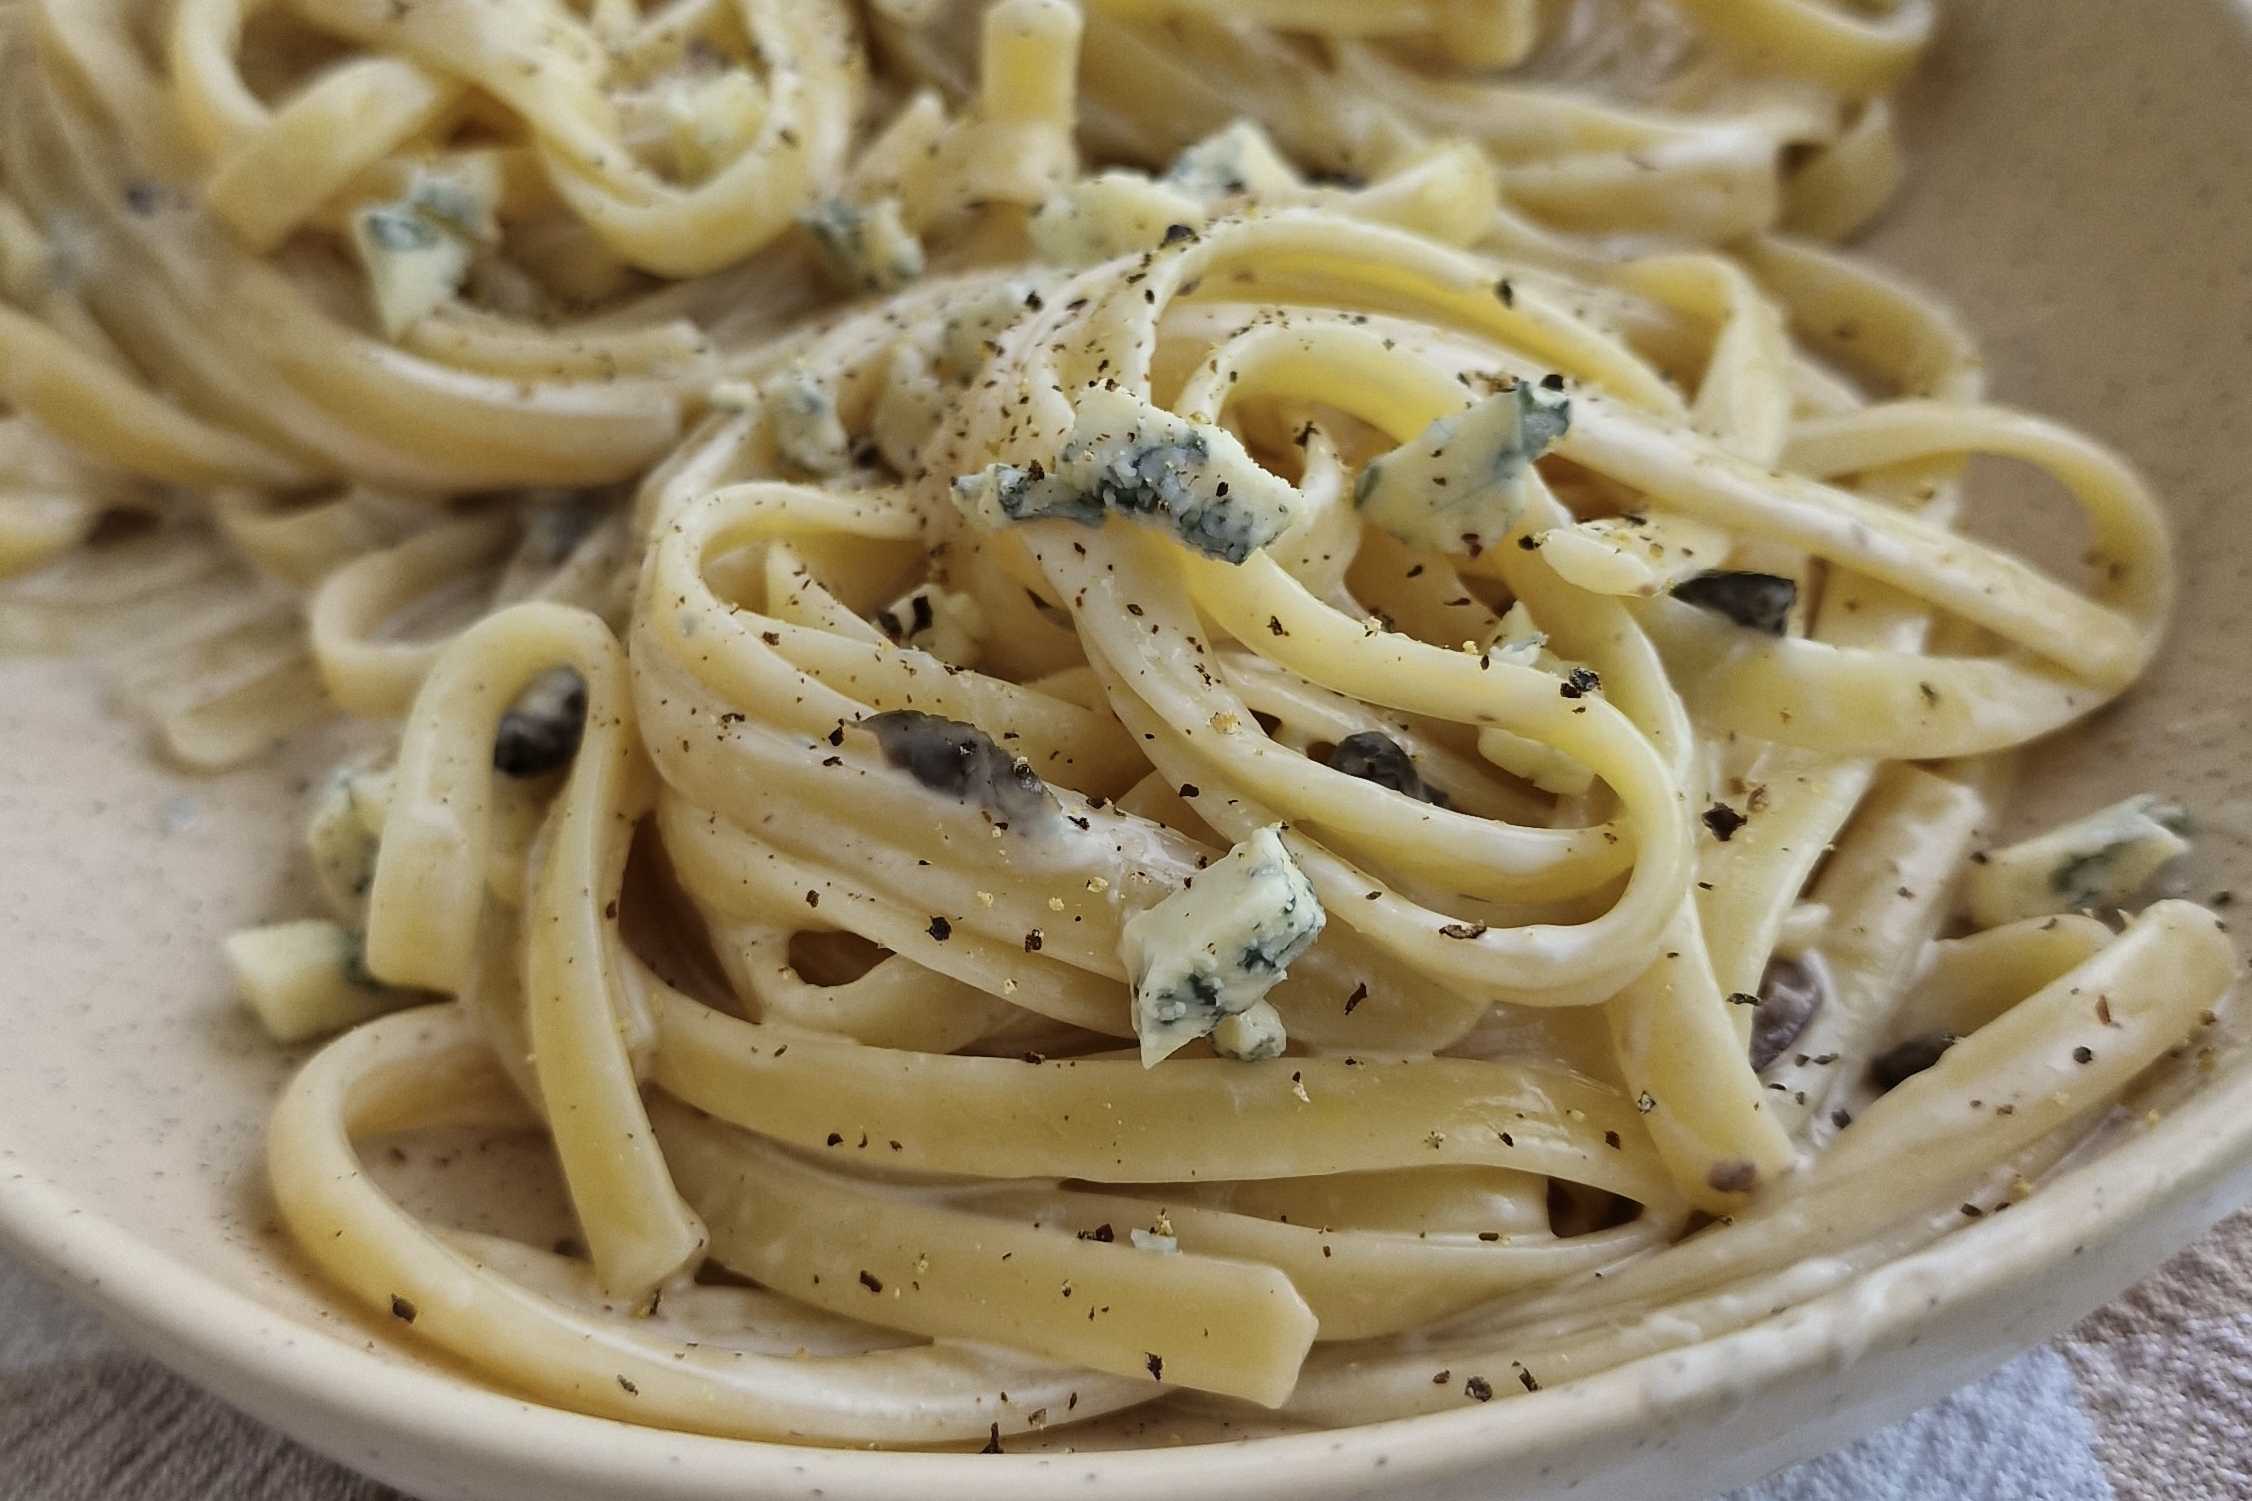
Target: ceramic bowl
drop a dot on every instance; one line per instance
(2079, 191)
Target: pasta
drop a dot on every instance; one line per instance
(1460, 883)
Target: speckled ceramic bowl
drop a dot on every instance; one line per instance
(2080, 191)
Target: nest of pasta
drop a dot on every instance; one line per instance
(1260, 707)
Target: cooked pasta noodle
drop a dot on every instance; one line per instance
(1454, 887)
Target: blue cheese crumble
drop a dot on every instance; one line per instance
(1128, 456)
(417, 250)
(1238, 162)
(802, 416)
(867, 246)
(1211, 951)
(1461, 484)
(1251, 1034)
(2101, 860)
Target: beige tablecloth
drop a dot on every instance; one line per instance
(2150, 1400)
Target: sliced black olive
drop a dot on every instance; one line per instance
(1378, 758)
(1789, 995)
(1755, 601)
(541, 731)
(961, 761)
(1902, 1062)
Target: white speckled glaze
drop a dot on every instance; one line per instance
(2083, 191)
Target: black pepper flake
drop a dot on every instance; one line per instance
(1360, 994)
(836, 1138)
(1645, 1102)
(1506, 292)
(1102, 1233)
(1462, 930)
(1529, 542)
(1442, 1378)
(1525, 1379)
(628, 1387)
(401, 1309)
(1156, 1364)
(1841, 1118)
(1611, 1140)
(1190, 790)
(1579, 683)
(1274, 626)
(868, 1280)
(1032, 941)
(941, 929)
(1552, 382)
(1724, 821)
(1478, 1389)
(836, 736)
(2083, 1056)
(992, 1440)
(1973, 1212)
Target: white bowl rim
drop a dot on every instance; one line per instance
(189, 1319)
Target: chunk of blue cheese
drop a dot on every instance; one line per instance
(868, 247)
(1205, 957)
(1142, 461)
(1461, 484)
(417, 250)
(344, 834)
(2101, 860)
(802, 416)
(1240, 161)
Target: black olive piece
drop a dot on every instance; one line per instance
(963, 762)
(541, 731)
(1903, 1061)
(1376, 757)
(1755, 601)
(1789, 995)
